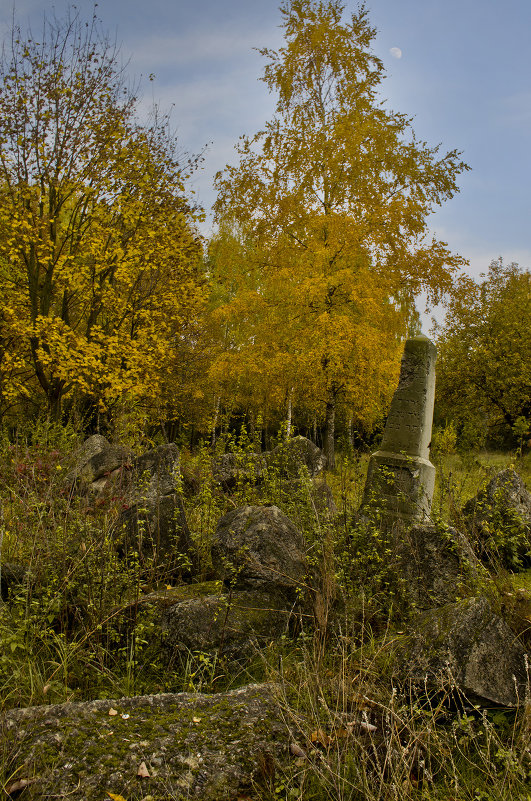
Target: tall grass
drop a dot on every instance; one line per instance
(79, 622)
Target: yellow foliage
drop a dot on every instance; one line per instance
(323, 240)
(99, 256)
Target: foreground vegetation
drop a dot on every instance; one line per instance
(82, 625)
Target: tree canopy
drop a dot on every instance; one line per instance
(323, 239)
(484, 362)
(99, 252)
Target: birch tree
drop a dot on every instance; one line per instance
(335, 193)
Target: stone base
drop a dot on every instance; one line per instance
(400, 487)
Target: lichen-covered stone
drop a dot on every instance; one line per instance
(157, 530)
(231, 469)
(95, 459)
(155, 473)
(465, 645)
(499, 520)
(435, 563)
(297, 452)
(259, 547)
(285, 461)
(208, 747)
(233, 625)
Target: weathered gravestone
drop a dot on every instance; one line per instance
(401, 478)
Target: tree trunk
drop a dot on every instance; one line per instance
(55, 397)
(288, 420)
(330, 421)
(351, 431)
(215, 419)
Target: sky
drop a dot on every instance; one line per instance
(460, 68)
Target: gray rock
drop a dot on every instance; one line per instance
(499, 520)
(295, 453)
(234, 625)
(193, 746)
(155, 473)
(258, 547)
(97, 458)
(465, 645)
(158, 531)
(154, 524)
(231, 469)
(286, 459)
(435, 564)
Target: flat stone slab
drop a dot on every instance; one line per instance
(208, 747)
(466, 646)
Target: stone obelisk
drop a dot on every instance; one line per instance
(401, 478)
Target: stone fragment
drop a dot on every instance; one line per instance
(157, 530)
(400, 477)
(155, 473)
(210, 747)
(154, 524)
(436, 564)
(233, 625)
(231, 469)
(97, 458)
(286, 461)
(297, 452)
(465, 645)
(259, 547)
(499, 520)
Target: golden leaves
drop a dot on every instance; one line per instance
(320, 250)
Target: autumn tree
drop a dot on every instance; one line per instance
(332, 198)
(98, 249)
(484, 361)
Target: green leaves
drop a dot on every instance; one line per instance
(484, 364)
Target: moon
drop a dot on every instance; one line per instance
(396, 52)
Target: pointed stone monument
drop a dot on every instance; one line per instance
(400, 477)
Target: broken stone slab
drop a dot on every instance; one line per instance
(232, 625)
(258, 547)
(296, 452)
(499, 520)
(95, 459)
(231, 469)
(400, 477)
(157, 531)
(436, 564)
(466, 646)
(155, 473)
(286, 461)
(192, 746)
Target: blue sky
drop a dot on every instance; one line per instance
(464, 75)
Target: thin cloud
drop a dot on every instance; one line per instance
(203, 47)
